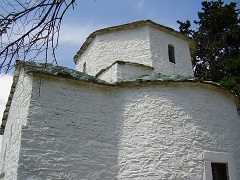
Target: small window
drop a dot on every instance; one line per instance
(219, 171)
(218, 166)
(84, 67)
(171, 54)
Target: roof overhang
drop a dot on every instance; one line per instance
(132, 26)
(49, 70)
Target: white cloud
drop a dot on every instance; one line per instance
(69, 33)
(77, 33)
(5, 85)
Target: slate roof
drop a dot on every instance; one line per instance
(132, 26)
(59, 71)
(47, 69)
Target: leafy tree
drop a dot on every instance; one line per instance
(29, 28)
(217, 55)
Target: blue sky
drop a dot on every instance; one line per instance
(91, 15)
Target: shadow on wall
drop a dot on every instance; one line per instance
(76, 130)
(70, 133)
(154, 133)
(164, 130)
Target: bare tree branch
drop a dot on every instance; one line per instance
(30, 29)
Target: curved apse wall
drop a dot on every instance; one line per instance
(166, 129)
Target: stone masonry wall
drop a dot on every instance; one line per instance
(125, 45)
(16, 120)
(119, 72)
(83, 131)
(167, 128)
(70, 134)
(159, 42)
(110, 75)
(144, 45)
(126, 71)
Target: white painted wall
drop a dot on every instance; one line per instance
(110, 75)
(167, 128)
(119, 72)
(17, 118)
(144, 45)
(126, 71)
(159, 42)
(80, 131)
(126, 45)
(70, 133)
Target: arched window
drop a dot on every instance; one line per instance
(171, 54)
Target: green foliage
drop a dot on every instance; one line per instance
(231, 83)
(217, 55)
(185, 27)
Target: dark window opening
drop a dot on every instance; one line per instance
(171, 55)
(219, 171)
(84, 67)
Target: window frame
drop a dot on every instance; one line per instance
(218, 157)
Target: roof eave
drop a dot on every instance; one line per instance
(132, 26)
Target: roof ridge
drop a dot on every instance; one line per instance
(131, 25)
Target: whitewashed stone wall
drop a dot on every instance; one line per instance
(144, 45)
(70, 133)
(167, 128)
(159, 42)
(17, 119)
(125, 45)
(126, 71)
(118, 72)
(80, 131)
(110, 75)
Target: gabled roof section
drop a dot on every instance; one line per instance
(58, 71)
(132, 26)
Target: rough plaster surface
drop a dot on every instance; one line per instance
(119, 72)
(80, 130)
(17, 118)
(167, 128)
(71, 134)
(144, 45)
(110, 75)
(126, 71)
(76, 130)
(159, 42)
(125, 45)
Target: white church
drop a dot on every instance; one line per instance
(131, 110)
